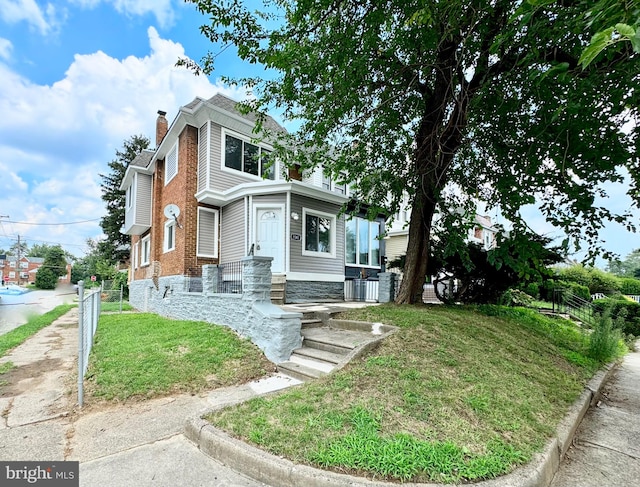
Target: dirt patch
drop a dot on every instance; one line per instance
(20, 379)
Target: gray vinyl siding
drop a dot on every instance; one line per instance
(203, 142)
(278, 199)
(142, 201)
(310, 264)
(233, 225)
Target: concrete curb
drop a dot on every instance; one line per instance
(277, 471)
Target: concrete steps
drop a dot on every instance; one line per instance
(278, 289)
(328, 345)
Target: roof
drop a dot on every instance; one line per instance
(231, 106)
(143, 158)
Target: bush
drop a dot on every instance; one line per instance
(533, 289)
(46, 278)
(621, 309)
(515, 297)
(575, 288)
(606, 341)
(596, 280)
(628, 285)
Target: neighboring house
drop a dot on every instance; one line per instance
(24, 271)
(20, 271)
(397, 237)
(206, 195)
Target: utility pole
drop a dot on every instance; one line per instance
(2, 276)
(18, 262)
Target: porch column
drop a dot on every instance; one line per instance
(210, 279)
(256, 278)
(387, 287)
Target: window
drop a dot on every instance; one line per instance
(171, 164)
(136, 253)
(146, 250)
(12, 275)
(129, 196)
(207, 233)
(362, 242)
(12, 264)
(169, 236)
(243, 156)
(24, 265)
(319, 234)
(24, 275)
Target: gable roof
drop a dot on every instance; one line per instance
(230, 105)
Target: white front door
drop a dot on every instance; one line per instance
(270, 237)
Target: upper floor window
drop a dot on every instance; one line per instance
(319, 233)
(24, 265)
(362, 242)
(171, 164)
(246, 157)
(129, 196)
(12, 264)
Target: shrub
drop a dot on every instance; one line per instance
(515, 297)
(621, 309)
(628, 285)
(596, 280)
(606, 341)
(575, 288)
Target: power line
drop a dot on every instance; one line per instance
(61, 223)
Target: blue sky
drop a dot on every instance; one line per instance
(77, 78)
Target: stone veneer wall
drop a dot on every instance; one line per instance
(313, 291)
(251, 314)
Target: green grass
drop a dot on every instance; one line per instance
(456, 395)
(34, 324)
(138, 355)
(115, 307)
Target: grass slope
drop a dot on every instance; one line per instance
(143, 355)
(457, 394)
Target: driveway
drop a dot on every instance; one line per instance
(15, 310)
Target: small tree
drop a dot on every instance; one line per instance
(46, 278)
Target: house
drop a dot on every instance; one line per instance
(19, 271)
(210, 194)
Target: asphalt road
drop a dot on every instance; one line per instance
(15, 310)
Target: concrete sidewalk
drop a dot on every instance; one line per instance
(143, 444)
(606, 448)
(137, 445)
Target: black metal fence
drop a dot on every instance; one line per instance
(230, 278)
(565, 301)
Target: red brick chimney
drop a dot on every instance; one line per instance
(162, 127)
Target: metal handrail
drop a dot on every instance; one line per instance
(579, 308)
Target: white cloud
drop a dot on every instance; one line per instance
(5, 48)
(15, 11)
(161, 9)
(56, 139)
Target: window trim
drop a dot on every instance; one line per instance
(332, 235)
(216, 227)
(136, 255)
(169, 229)
(145, 254)
(244, 139)
(168, 177)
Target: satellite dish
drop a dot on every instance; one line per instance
(172, 211)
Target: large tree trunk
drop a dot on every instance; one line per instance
(417, 257)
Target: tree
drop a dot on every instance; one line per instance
(448, 101)
(621, 19)
(54, 266)
(46, 278)
(116, 245)
(19, 248)
(41, 250)
(627, 267)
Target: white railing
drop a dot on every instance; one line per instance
(88, 315)
(635, 297)
(361, 290)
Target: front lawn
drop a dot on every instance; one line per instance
(457, 394)
(140, 355)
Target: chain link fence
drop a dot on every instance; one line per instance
(112, 292)
(88, 315)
